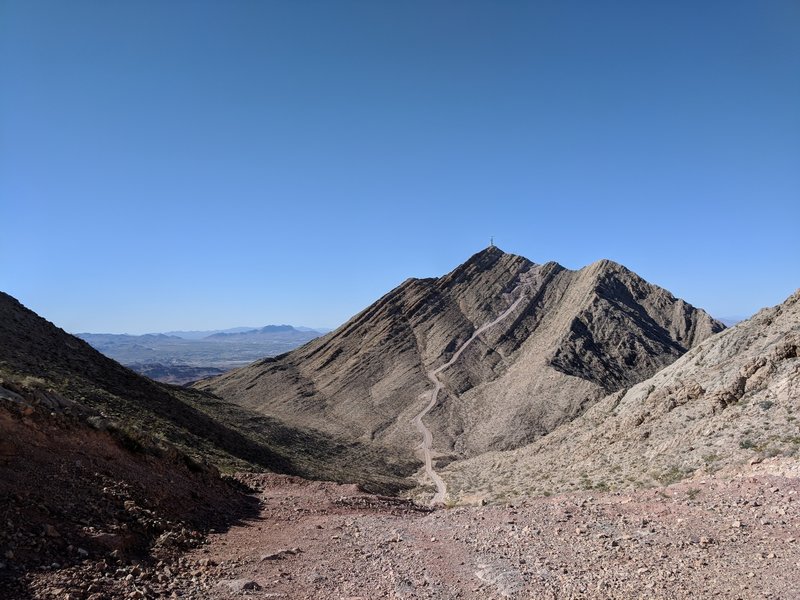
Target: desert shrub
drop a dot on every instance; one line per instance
(671, 475)
(602, 486)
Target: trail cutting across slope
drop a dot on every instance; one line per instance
(427, 436)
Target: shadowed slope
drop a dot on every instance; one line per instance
(33, 350)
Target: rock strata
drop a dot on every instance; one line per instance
(729, 402)
(574, 337)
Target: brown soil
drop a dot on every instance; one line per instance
(704, 538)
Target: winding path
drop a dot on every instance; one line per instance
(427, 436)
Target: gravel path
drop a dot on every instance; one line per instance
(427, 437)
(700, 539)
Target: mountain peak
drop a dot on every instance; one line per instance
(486, 257)
(536, 343)
(491, 250)
(491, 258)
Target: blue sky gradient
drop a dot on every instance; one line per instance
(198, 165)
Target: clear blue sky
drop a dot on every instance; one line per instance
(176, 165)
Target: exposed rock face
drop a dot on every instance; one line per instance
(729, 403)
(574, 337)
(64, 374)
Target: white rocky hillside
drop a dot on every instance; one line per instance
(731, 402)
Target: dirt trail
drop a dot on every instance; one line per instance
(427, 436)
(699, 539)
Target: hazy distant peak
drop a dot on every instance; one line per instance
(276, 328)
(731, 321)
(283, 332)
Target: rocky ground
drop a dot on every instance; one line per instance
(95, 508)
(707, 538)
(87, 514)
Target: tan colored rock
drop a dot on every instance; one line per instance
(729, 404)
(574, 337)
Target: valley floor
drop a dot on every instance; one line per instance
(706, 538)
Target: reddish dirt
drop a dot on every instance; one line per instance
(84, 518)
(79, 512)
(706, 538)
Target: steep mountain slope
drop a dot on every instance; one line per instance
(573, 337)
(730, 402)
(63, 371)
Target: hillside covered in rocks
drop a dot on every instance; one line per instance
(572, 338)
(730, 402)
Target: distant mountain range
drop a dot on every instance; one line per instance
(731, 321)
(180, 357)
(200, 334)
(271, 331)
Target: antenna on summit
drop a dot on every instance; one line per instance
(491, 241)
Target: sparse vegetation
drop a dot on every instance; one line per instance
(671, 475)
(602, 486)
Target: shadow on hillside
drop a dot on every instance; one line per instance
(75, 497)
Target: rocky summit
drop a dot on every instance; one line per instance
(566, 339)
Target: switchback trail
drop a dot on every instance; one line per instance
(427, 436)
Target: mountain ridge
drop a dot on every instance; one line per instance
(516, 382)
(727, 404)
